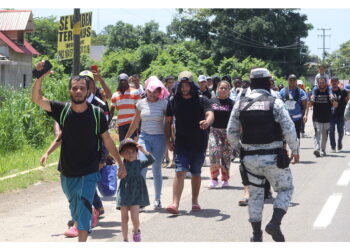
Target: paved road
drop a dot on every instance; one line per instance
(319, 210)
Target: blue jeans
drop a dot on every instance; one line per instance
(155, 144)
(339, 121)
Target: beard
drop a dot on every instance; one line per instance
(78, 101)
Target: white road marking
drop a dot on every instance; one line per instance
(326, 215)
(26, 171)
(344, 178)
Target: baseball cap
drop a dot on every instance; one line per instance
(126, 142)
(347, 87)
(202, 78)
(87, 73)
(185, 75)
(292, 76)
(123, 76)
(300, 82)
(259, 73)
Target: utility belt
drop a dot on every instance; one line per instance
(283, 159)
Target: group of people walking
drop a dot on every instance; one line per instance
(228, 118)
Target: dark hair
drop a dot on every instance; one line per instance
(280, 86)
(322, 65)
(78, 78)
(226, 78)
(216, 80)
(169, 78)
(136, 75)
(245, 84)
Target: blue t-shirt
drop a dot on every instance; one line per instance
(294, 106)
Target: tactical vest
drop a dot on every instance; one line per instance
(258, 123)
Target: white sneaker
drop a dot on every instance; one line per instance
(213, 184)
(225, 184)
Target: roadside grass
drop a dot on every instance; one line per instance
(26, 159)
(48, 174)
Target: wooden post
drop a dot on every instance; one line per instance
(76, 34)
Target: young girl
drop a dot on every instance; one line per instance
(132, 192)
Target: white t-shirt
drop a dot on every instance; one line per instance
(152, 115)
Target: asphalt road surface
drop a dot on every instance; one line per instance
(319, 210)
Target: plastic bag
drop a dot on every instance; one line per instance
(107, 186)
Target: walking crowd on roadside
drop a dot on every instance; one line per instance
(253, 119)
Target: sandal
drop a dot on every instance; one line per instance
(172, 209)
(196, 207)
(243, 203)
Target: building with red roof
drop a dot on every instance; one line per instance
(15, 52)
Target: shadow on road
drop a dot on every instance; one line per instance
(229, 188)
(306, 162)
(104, 233)
(329, 155)
(109, 224)
(209, 213)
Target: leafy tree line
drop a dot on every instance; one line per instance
(196, 39)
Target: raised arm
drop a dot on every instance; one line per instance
(37, 96)
(105, 87)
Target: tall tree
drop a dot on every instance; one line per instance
(272, 35)
(44, 38)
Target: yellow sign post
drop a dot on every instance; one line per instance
(65, 35)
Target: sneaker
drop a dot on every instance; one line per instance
(213, 184)
(317, 153)
(95, 215)
(225, 184)
(303, 135)
(340, 147)
(333, 150)
(188, 175)
(141, 210)
(157, 205)
(136, 237)
(72, 232)
(324, 153)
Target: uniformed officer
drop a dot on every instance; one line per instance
(257, 124)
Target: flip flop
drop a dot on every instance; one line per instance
(196, 207)
(172, 209)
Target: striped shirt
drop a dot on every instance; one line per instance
(126, 105)
(152, 115)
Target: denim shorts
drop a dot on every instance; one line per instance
(188, 160)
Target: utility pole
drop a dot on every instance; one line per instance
(76, 36)
(324, 43)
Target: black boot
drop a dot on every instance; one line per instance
(257, 233)
(273, 228)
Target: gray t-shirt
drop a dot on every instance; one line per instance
(152, 115)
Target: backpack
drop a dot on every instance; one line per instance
(96, 113)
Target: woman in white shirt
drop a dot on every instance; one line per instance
(151, 110)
